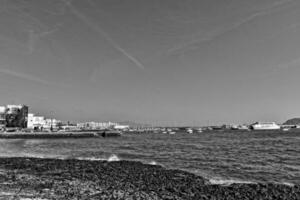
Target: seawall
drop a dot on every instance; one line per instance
(41, 135)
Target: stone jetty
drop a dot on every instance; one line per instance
(41, 135)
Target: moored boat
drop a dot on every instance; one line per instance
(189, 130)
(285, 129)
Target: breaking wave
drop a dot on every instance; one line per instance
(91, 158)
(113, 157)
(232, 181)
(228, 181)
(153, 163)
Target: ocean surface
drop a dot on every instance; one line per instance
(222, 157)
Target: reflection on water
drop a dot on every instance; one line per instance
(219, 156)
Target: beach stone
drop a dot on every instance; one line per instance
(82, 179)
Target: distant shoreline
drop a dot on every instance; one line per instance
(81, 179)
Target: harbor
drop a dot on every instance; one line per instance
(233, 156)
(220, 165)
(17, 122)
(149, 100)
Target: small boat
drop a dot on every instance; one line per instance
(170, 131)
(189, 130)
(199, 130)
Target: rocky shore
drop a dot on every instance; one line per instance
(37, 178)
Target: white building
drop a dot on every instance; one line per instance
(96, 125)
(40, 122)
(35, 121)
(52, 123)
(2, 117)
(121, 127)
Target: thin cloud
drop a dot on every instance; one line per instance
(38, 29)
(34, 37)
(285, 66)
(274, 70)
(104, 34)
(217, 33)
(26, 77)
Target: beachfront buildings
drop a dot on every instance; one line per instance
(35, 122)
(40, 122)
(96, 125)
(13, 116)
(2, 117)
(121, 127)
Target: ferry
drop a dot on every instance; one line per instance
(265, 126)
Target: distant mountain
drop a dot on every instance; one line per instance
(294, 121)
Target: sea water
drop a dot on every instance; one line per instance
(223, 157)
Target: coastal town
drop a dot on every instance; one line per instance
(17, 118)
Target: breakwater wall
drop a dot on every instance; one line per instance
(41, 135)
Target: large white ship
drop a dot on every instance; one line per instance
(265, 126)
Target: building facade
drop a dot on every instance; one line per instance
(35, 122)
(16, 116)
(96, 125)
(2, 117)
(40, 122)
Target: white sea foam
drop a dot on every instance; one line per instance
(36, 155)
(113, 157)
(232, 181)
(227, 182)
(288, 184)
(153, 163)
(90, 158)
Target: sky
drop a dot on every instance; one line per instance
(161, 62)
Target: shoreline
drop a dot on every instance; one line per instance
(47, 178)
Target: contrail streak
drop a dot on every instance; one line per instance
(291, 64)
(26, 77)
(104, 34)
(214, 35)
